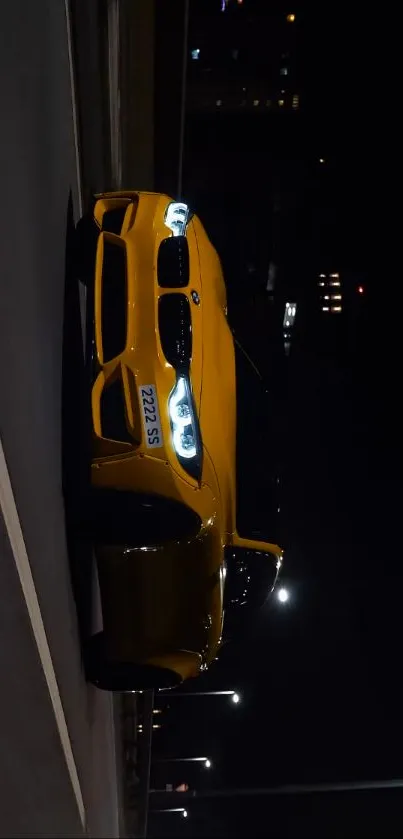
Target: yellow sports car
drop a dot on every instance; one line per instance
(163, 405)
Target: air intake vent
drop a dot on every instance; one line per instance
(112, 220)
(113, 413)
(114, 301)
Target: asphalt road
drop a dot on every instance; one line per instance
(58, 750)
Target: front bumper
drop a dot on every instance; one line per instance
(128, 348)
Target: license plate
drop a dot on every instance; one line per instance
(151, 417)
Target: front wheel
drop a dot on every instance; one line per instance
(123, 677)
(119, 517)
(85, 246)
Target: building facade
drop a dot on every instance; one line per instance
(243, 57)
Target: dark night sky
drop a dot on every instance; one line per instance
(321, 678)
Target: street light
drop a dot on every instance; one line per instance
(206, 760)
(283, 595)
(287, 789)
(140, 727)
(235, 697)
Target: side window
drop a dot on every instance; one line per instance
(257, 484)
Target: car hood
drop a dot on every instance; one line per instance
(217, 412)
(196, 303)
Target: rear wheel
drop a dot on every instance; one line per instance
(118, 517)
(107, 674)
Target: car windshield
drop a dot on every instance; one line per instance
(256, 445)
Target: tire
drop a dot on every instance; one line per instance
(86, 238)
(122, 677)
(118, 517)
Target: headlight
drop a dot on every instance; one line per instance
(184, 427)
(177, 217)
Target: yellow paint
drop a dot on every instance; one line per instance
(166, 605)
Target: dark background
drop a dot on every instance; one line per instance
(320, 678)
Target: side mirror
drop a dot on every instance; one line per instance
(252, 569)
